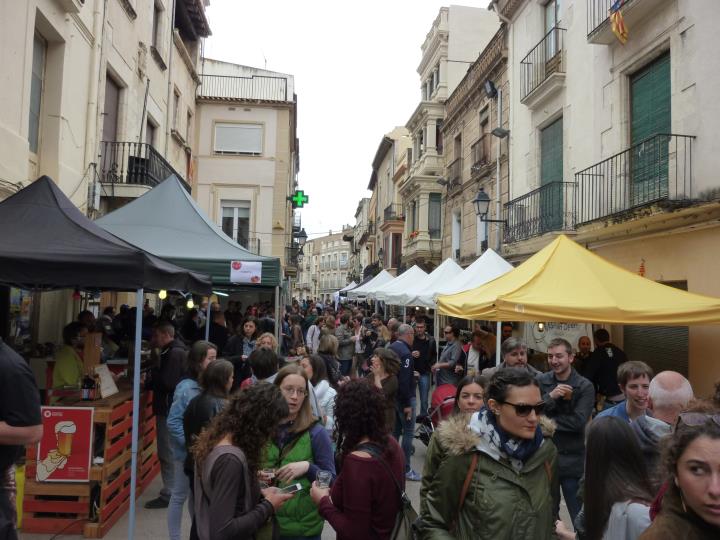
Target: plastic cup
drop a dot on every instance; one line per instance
(324, 478)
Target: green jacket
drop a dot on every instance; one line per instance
(501, 504)
(298, 516)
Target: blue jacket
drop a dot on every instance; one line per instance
(185, 391)
(406, 377)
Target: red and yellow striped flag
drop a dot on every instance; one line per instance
(617, 22)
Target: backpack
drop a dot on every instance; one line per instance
(403, 529)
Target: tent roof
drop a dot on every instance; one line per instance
(565, 282)
(349, 286)
(167, 222)
(49, 243)
(380, 279)
(397, 285)
(427, 285)
(487, 267)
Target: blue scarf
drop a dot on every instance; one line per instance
(498, 444)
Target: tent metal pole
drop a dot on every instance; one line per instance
(208, 317)
(278, 318)
(135, 412)
(498, 338)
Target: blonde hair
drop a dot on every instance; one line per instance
(328, 345)
(305, 418)
(272, 339)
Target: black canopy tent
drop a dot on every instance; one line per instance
(47, 243)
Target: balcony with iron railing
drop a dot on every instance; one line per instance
(480, 156)
(393, 212)
(635, 13)
(133, 164)
(658, 169)
(256, 88)
(542, 71)
(454, 172)
(296, 223)
(549, 208)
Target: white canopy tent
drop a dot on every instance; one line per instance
(397, 285)
(349, 286)
(381, 279)
(487, 267)
(410, 295)
(336, 294)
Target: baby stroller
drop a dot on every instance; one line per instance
(442, 403)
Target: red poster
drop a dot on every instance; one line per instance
(65, 450)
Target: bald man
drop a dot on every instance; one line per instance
(669, 394)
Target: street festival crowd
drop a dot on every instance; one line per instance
(270, 440)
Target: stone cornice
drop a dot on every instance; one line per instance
(492, 55)
(510, 7)
(422, 110)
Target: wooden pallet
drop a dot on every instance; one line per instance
(50, 507)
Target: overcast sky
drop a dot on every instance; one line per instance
(355, 77)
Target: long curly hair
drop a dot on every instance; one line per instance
(250, 418)
(359, 413)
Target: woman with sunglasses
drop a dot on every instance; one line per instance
(300, 448)
(512, 468)
(469, 399)
(691, 458)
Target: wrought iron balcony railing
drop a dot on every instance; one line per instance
(658, 168)
(257, 87)
(393, 212)
(549, 208)
(542, 61)
(480, 154)
(130, 163)
(455, 172)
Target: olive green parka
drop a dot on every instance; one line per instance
(501, 503)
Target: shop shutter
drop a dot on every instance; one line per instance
(661, 347)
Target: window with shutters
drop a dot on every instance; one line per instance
(434, 214)
(551, 176)
(238, 139)
(236, 221)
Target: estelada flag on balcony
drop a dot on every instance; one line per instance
(617, 22)
(564, 282)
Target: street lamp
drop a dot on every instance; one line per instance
(380, 254)
(301, 237)
(300, 254)
(482, 205)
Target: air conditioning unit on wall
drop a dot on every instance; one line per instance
(72, 6)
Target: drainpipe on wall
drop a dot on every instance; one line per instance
(168, 103)
(92, 138)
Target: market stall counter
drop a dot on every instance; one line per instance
(78, 477)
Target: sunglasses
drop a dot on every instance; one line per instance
(524, 410)
(698, 419)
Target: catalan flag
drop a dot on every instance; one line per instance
(617, 22)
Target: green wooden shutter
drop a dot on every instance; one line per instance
(650, 116)
(551, 172)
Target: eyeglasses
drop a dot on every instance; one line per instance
(695, 419)
(448, 331)
(524, 410)
(290, 392)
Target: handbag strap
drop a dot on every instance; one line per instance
(374, 451)
(465, 488)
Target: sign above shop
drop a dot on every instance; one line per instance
(246, 272)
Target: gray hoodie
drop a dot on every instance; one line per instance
(649, 432)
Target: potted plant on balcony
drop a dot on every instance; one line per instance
(413, 235)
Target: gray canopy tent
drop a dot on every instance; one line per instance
(167, 222)
(49, 244)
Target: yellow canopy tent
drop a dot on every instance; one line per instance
(565, 282)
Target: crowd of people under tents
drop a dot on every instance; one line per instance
(633, 454)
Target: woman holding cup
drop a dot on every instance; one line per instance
(364, 500)
(299, 450)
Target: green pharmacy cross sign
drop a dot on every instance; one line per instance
(299, 199)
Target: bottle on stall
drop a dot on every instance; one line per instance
(88, 388)
(97, 386)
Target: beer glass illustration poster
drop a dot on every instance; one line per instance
(246, 272)
(65, 450)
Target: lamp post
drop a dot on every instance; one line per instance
(301, 237)
(381, 255)
(482, 206)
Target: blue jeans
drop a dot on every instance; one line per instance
(569, 487)
(178, 495)
(424, 390)
(406, 429)
(345, 366)
(165, 456)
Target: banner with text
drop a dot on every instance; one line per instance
(538, 337)
(246, 272)
(65, 450)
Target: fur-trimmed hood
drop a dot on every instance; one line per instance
(457, 438)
